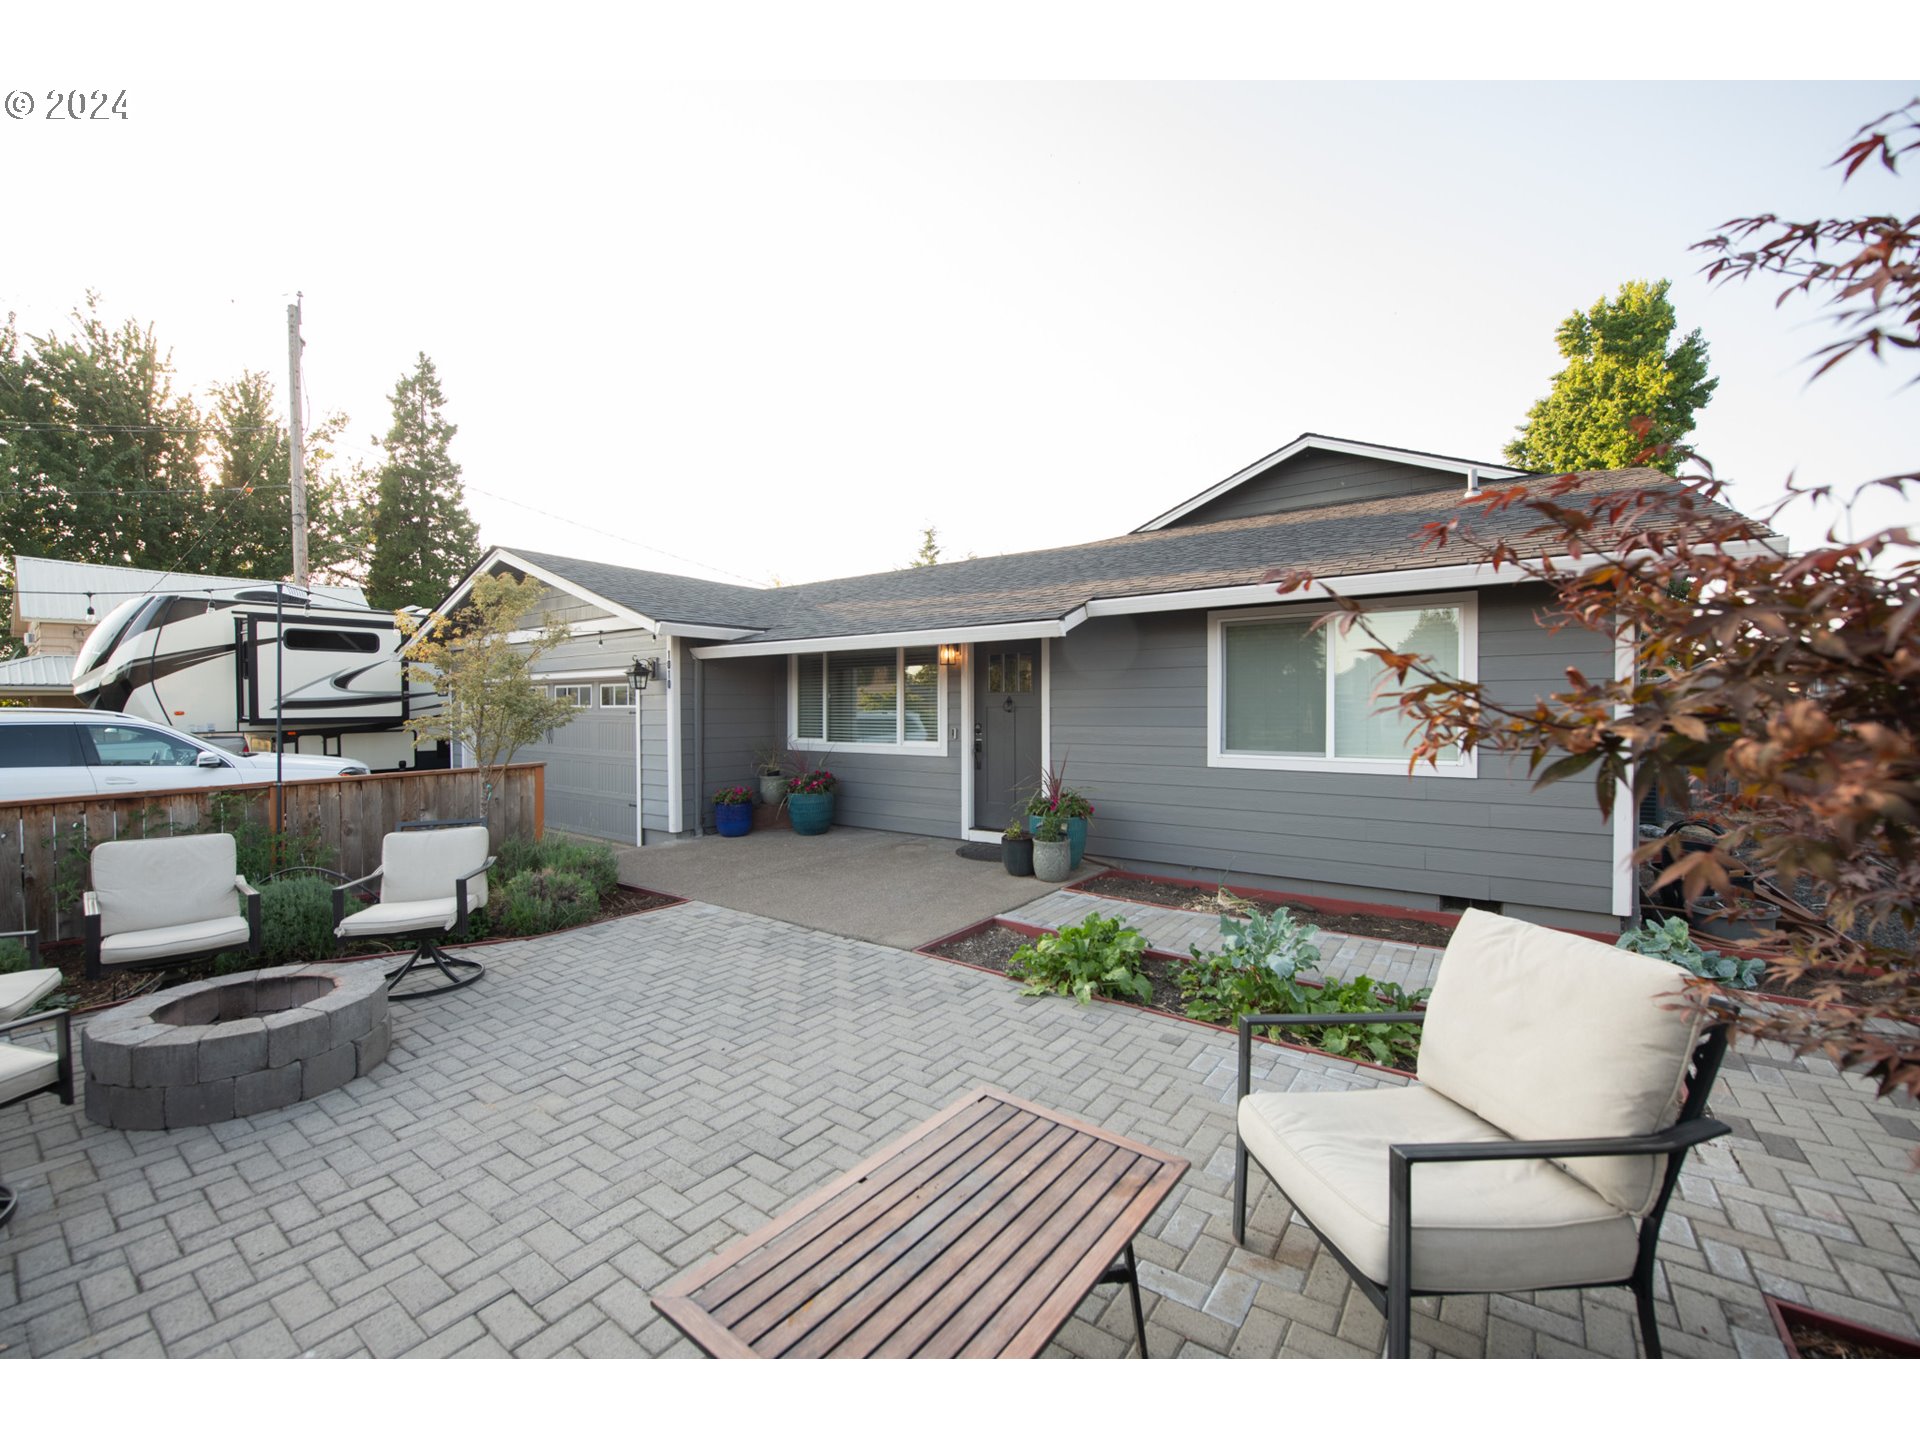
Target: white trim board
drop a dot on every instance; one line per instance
(965, 746)
(896, 639)
(676, 768)
(1338, 447)
(1625, 813)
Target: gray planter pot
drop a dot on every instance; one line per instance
(1052, 860)
(772, 788)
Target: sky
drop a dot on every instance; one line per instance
(757, 302)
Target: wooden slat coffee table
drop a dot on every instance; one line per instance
(975, 1234)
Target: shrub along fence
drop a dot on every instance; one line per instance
(44, 844)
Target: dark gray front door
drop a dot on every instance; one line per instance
(1006, 732)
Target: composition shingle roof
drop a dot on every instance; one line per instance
(1362, 537)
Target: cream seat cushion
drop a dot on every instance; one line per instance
(20, 990)
(423, 864)
(405, 917)
(155, 884)
(1485, 1226)
(1551, 1036)
(130, 946)
(23, 1070)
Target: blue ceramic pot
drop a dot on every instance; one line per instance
(810, 814)
(733, 820)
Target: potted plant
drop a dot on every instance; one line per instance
(769, 764)
(810, 801)
(733, 810)
(1054, 798)
(1052, 851)
(1016, 848)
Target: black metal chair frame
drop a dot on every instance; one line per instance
(1395, 1299)
(426, 941)
(62, 1083)
(90, 913)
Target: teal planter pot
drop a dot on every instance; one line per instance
(810, 814)
(1076, 834)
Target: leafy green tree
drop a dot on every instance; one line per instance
(929, 553)
(1624, 392)
(99, 459)
(489, 701)
(424, 540)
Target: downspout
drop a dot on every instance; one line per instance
(639, 770)
(699, 747)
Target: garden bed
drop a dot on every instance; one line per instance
(1812, 1335)
(992, 943)
(1378, 922)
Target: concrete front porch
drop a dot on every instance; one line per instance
(892, 889)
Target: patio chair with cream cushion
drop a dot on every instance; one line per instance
(431, 881)
(27, 1070)
(166, 901)
(1561, 1083)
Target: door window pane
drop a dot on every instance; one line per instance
(137, 745)
(1275, 687)
(996, 675)
(24, 746)
(1022, 673)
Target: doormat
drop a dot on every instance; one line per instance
(979, 850)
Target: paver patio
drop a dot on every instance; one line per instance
(610, 1106)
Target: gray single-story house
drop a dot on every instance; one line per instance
(1211, 727)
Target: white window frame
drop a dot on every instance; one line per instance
(586, 704)
(811, 743)
(606, 685)
(1467, 767)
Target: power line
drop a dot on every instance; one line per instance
(605, 533)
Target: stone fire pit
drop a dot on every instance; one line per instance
(235, 1046)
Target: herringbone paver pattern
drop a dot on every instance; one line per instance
(607, 1107)
(1341, 956)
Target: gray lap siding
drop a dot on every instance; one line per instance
(1129, 708)
(589, 760)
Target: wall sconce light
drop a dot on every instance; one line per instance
(642, 671)
(949, 654)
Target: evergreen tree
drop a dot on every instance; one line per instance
(929, 550)
(251, 458)
(423, 538)
(1623, 391)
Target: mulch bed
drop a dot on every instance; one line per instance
(1816, 1343)
(80, 993)
(1184, 897)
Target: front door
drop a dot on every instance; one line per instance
(1006, 730)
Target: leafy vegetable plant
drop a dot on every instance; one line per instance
(1673, 942)
(1255, 972)
(1096, 957)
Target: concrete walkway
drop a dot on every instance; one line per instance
(892, 889)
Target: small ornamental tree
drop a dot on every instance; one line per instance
(489, 701)
(1776, 694)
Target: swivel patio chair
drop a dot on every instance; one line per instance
(1561, 1083)
(431, 881)
(166, 901)
(26, 1070)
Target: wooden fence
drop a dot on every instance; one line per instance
(44, 843)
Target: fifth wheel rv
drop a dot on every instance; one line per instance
(212, 663)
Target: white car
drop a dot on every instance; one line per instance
(56, 753)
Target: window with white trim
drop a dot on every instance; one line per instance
(1284, 695)
(616, 697)
(580, 695)
(869, 699)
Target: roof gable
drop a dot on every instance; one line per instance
(1315, 470)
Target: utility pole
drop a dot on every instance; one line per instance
(296, 443)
